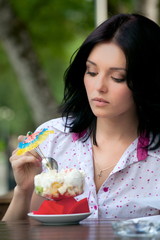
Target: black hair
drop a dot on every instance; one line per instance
(139, 39)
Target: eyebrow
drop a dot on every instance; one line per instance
(112, 68)
(91, 62)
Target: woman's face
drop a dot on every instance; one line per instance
(105, 82)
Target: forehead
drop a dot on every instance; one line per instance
(108, 53)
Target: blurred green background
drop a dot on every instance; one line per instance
(56, 29)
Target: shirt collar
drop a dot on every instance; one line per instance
(142, 152)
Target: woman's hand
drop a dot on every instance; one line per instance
(25, 167)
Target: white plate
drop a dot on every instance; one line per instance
(64, 219)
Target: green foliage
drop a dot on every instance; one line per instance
(56, 28)
(117, 6)
(11, 98)
(2, 146)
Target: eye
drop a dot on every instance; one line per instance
(119, 79)
(92, 74)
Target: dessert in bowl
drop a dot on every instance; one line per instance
(59, 185)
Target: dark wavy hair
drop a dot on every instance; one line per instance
(139, 39)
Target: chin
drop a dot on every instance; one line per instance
(100, 115)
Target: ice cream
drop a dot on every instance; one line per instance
(58, 185)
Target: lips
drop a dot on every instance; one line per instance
(100, 100)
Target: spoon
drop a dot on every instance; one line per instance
(49, 163)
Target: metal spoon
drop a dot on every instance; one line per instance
(49, 163)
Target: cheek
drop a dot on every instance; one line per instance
(124, 95)
(88, 85)
(128, 100)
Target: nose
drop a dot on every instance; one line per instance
(101, 83)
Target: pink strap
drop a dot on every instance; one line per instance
(142, 152)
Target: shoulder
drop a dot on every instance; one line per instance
(57, 124)
(62, 145)
(154, 153)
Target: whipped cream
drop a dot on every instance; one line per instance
(53, 184)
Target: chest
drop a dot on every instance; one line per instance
(104, 160)
(131, 192)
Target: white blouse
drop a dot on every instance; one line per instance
(132, 188)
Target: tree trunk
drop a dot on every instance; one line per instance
(16, 41)
(149, 8)
(101, 11)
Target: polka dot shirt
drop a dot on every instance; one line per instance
(132, 188)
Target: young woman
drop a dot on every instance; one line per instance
(110, 125)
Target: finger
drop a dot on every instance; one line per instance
(35, 154)
(19, 162)
(14, 151)
(21, 138)
(32, 153)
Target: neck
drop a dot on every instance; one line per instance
(116, 130)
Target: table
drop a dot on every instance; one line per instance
(88, 229)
